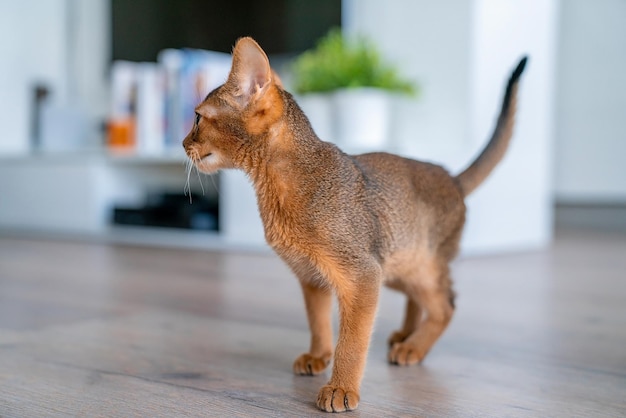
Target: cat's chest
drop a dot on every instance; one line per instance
(284, 212)
(283, 230)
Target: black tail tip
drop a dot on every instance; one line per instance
(520, 68)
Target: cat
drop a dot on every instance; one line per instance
(343, 224)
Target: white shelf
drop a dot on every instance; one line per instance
(168, 157)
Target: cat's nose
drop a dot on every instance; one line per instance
(187, 142)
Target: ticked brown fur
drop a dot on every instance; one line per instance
(344, 224)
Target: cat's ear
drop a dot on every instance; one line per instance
(250, 74)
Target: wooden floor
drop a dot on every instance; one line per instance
(95, 330)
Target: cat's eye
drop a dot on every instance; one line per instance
(197, 118)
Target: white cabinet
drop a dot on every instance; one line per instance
(73, 195)
(54, 194)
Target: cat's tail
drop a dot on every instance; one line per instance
(478, 171)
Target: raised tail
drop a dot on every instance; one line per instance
(478, 171)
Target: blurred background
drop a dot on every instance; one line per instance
(72, 165)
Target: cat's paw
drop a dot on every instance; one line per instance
(405, 354)
(397, 337)
(336, 399)
(309, 365)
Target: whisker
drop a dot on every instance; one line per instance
(187, 188)
(212, 177)
(200, 179)
(186, 171)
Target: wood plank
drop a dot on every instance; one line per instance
(100, 330)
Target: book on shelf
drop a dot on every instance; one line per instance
(191, 74)
(152, 104)
(121, 124)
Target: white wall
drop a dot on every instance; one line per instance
(63, 44)
(591, 102)
(32, 49)
(430, 42)
(89, 57)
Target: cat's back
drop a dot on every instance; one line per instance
(418, 198)
(424, 181)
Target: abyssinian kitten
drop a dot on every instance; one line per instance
(345, 224)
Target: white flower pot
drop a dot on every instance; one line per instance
(362, 118)
(318, 107)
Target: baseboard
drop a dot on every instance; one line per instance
(599, 215)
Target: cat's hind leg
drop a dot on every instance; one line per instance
(318, 302)
(412, 318)
(432, 291)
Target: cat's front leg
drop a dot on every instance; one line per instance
(357, 308)
(318, 302)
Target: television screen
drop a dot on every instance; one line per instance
(142, 28)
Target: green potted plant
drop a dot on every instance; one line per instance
(357, 84)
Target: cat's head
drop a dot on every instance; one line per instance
(236, 117)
